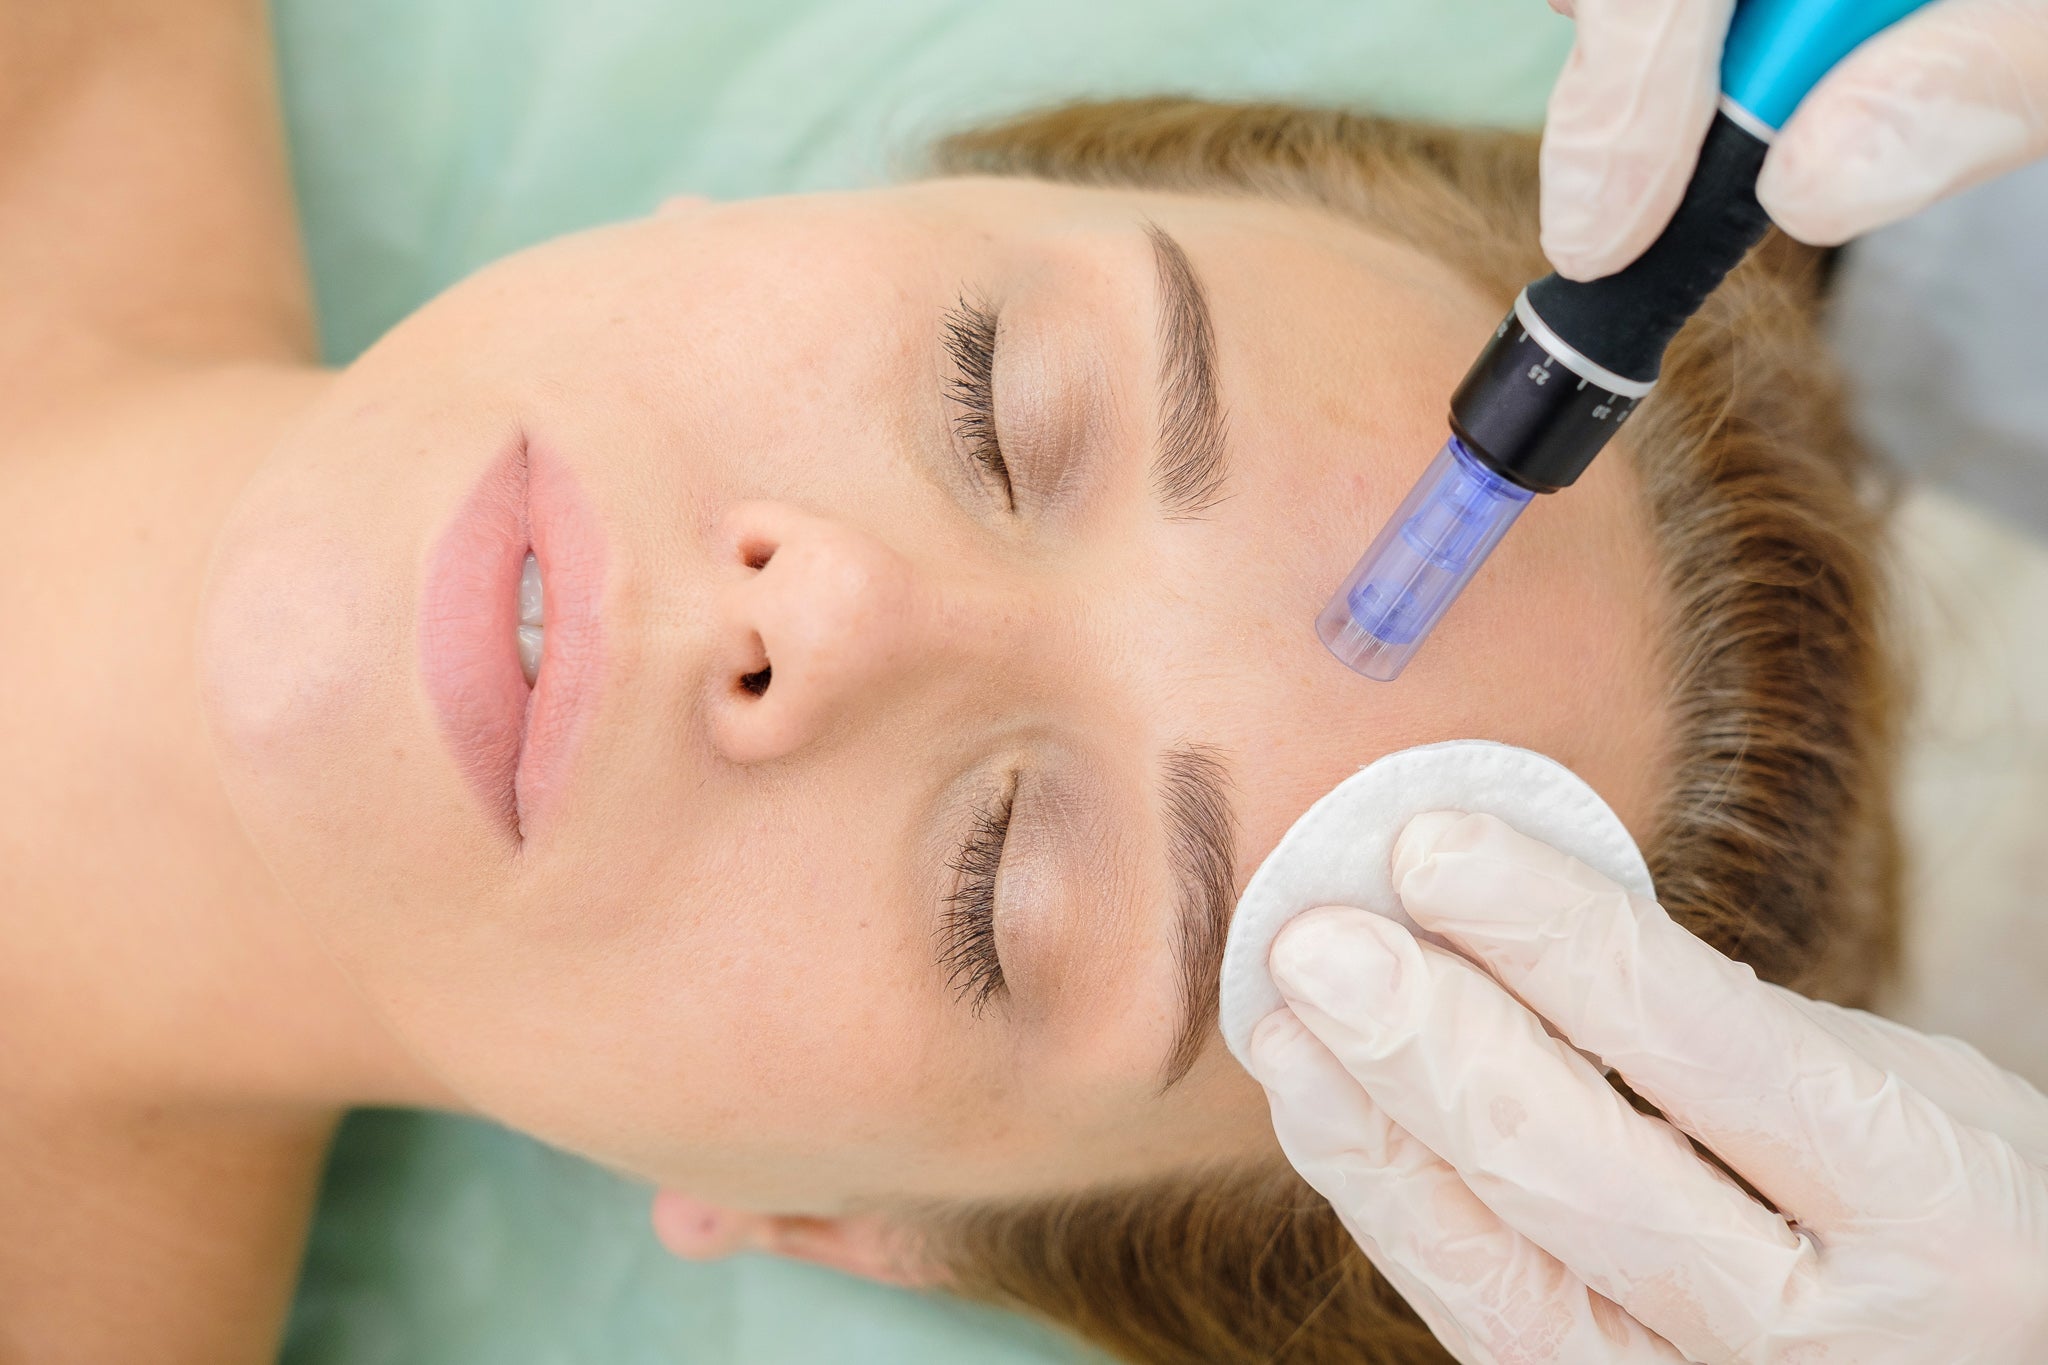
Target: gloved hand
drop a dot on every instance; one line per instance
(1951, 95)
(1529, 1214)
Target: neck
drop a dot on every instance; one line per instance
(148, 941)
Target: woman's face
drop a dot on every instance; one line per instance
(905, 714)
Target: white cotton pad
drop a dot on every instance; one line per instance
(1340, 852)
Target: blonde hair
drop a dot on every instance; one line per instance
(1774, 840)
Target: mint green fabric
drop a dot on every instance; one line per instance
(431, 136)
(445, 1241)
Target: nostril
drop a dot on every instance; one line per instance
(756, 553)
(755, 670)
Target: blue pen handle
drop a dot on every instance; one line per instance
(1777, 50)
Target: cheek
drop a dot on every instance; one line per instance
(769, 1008)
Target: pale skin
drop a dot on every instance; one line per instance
(244, 886)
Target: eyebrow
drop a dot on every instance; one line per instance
(1188, 474)
(1188, 469)
(1201, 851)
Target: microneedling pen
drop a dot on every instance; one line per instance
(1570, 362)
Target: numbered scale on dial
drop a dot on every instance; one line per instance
(1528, 414)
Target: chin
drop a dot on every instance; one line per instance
(312, 707)
(287, 676)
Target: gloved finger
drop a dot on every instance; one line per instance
(1624, 127)
(1367, 1168)
(1487, 1292)
(1819, 1129)
(1968, 1086)
(1536, 1134)
(1952, 95)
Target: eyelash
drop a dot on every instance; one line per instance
(969, 955)
(970, 328)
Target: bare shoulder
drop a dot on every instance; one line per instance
(150, 1236)
(146, 213)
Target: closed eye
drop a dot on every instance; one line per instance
(970, 335)
(967, 937)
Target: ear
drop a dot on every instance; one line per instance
(697, 1231)
(870, 1245)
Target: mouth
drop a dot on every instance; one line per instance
(509, 681)
(532, 632)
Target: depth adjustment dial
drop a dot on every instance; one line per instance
(1530, 414)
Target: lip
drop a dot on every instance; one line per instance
(514, 745)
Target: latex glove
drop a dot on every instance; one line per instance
(1530, 1215)
(1952, 95)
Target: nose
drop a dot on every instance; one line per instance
(818, 621)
